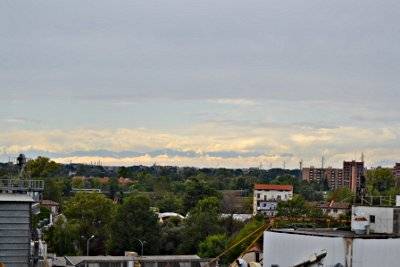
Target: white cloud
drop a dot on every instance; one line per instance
(337, 144)
(234, 101)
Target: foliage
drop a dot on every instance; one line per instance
(171, 236)
(42, 167)
(91, 214)
(380, 181)
(203, 220)
(309, 191)
(249, 228)
(297, 207)
(134, 220)
(62, 238)
(342, 194)
(54, 189)
(195, 190)
(213, 245)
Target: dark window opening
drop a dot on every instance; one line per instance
(372, 218)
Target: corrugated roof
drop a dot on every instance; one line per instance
(278, 187)
(15, 198)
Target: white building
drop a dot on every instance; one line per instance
(373, 241)
(267, 196)
(376, 219)
(327, 247)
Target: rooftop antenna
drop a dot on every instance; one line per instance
(284, 164)
(322, 162)
(301, 164)
(362, 157)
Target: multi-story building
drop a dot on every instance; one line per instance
(333, 176)
(313, 174)
(267, 196)
(338, 177)
(352, 173)
(396, 170)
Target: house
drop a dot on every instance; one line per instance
(267, 196)
(335, 209)
(51, 205)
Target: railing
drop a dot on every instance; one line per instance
(21, 185)
(378, 200)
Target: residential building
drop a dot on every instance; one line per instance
(352, 173)
(329, 247)
(335, 177)
(335, 209)
(373, 241)
(51, 205)
(267, 196)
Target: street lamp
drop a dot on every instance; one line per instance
(87, 245)
(141, 243)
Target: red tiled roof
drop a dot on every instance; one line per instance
(278, 187)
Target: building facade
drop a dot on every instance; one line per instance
(267, 196)
(335, 177)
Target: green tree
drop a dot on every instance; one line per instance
(53, 189)
(249, 228)
(297, 207)
(63, 238)
(171, 236)
(380, 181)
(203, 220)
(196, 190)
(42, 167)
(213, 245)
(169, 202)
(342, 194)
(134, 220)
(92, 214)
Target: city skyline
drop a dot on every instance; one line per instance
(217, 84)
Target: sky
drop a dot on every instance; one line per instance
(201, 83)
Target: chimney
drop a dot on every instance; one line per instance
(354, 178)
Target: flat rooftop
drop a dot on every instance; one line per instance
(330, 232)
(15, 198)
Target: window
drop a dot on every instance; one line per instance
(258, 195)
(372, 218)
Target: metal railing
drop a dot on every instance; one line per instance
(21, 185)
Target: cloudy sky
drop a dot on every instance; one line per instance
(201, 83)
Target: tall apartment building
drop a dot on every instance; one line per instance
(333, 176)
(338, 177)
(396, 170)
(313, 174)
(352, 173)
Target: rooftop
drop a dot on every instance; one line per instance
(277, 187)
(76, 260)
(15, 198)
(331, 232)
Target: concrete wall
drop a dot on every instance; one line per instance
(289, 249)
(376, 252)
(383, 217)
